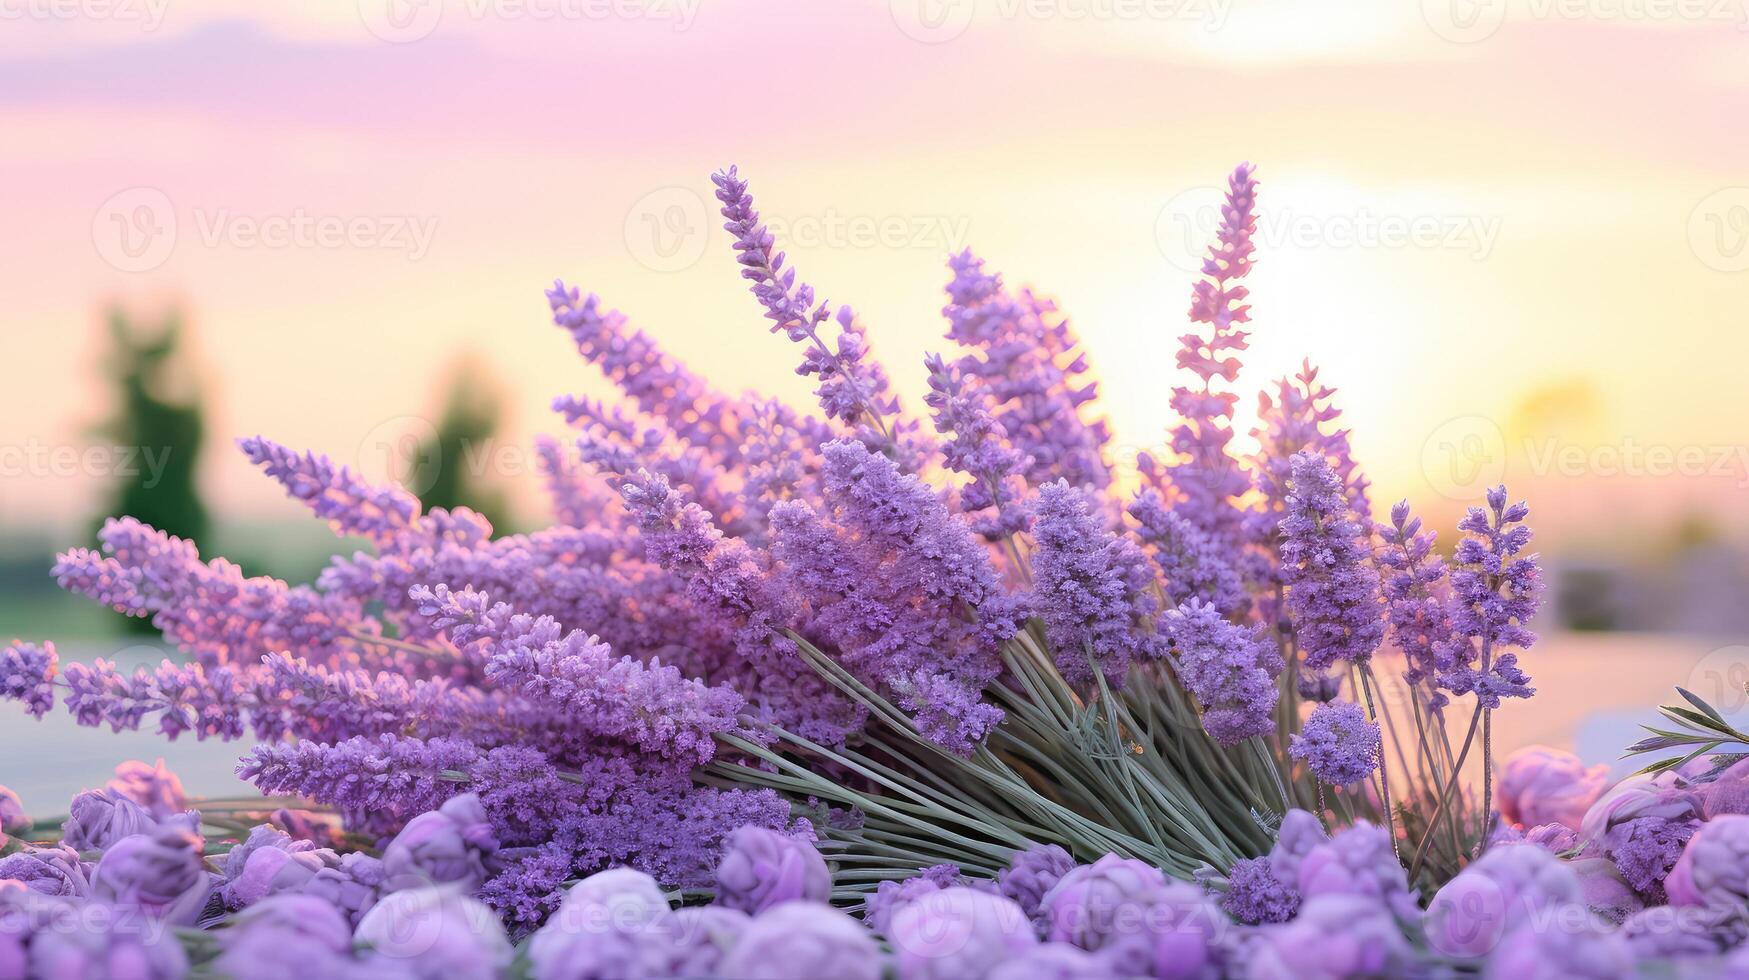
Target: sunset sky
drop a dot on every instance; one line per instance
(1519, 224)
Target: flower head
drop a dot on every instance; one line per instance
(1338, 743)
(802, 940)
(1333, 589)
(159, 873)
(762, 867)
(1230, 669)
(448, 845)
(1540, 785)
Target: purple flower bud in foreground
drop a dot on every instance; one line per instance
(1337, 743)
(98, 818)
(804, 941)
(1358, 860)
(1585, 949)
(443, 846)
(300, 918)
(1539, 785)
(13, 819)
(352, 888)
(1504, 888)
(92, 942)
(1300, 832)
(1032, 873)
(957, 932)
(160, 873)
(1714, 866)
(1051, 961)
(286, 937)
(273, 870)
(54, 871)
(27, 673)
(1667, 932)
(435, 933)
(153, 787)
(1604, 891)
(1333, 936)
(1643, 825)
(761, 868)
(692, 942)
(1083, 906)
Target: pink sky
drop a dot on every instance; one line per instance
(1577, 175)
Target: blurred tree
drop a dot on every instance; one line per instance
(160, 422)
(462, 449)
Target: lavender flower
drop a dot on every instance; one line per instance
(1540, 785)
(1193, 563)
(1495, 590)
(159, 873)
(334, 493)
(1420, 622)
(994, 496)
(852, 388)
(1255, 896)
(1338, 743)
(1333, 589)
(957, 932)
(53, 871)
(1029, 359)
(1206, 476)
(1229, 669)
(27, 673)
(1092, 589)
(448, 845)
(1293, 422)
(803, 940)
(761, 868)
(352, 887)
(435, 933)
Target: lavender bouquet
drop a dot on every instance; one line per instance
(859, 691)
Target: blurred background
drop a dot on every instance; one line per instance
(1514, 234)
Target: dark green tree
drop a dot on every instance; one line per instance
(160, 424)
(459, 457)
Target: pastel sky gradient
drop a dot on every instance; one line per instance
(1575, 175)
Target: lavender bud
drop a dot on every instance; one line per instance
(761, 868)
